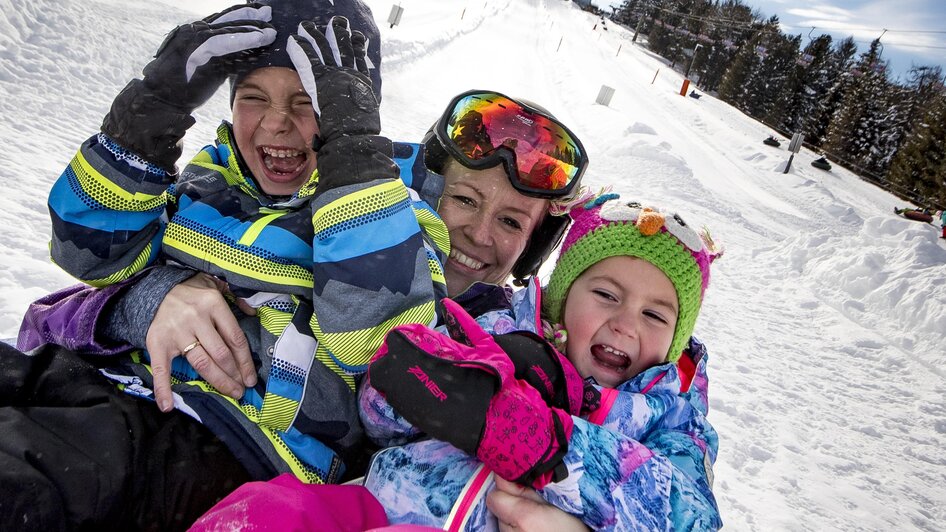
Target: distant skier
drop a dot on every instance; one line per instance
(920, 215)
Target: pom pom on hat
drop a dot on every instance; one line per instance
(611, 228)
(288, 14)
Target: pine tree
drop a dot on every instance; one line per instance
(781, 77)
(919, 167)
(627, 13)
(837, 68)
(660, 37)
(854, 135)
(753, 81)
(809, 84)
(733, 28)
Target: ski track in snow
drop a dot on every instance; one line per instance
(826, 318)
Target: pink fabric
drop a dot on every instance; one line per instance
(520, 432)
(405, 528)
(608, 396)
(285, 504)
(574, 384)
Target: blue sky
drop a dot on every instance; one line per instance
(865, 20)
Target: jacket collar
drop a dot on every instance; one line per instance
(237, 173)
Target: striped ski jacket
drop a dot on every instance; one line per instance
(328, 275)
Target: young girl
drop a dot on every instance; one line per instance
(627, 288)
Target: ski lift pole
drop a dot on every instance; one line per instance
(794, 147)
(789, 163)
(692, 59)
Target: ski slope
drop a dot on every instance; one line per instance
(825, 320)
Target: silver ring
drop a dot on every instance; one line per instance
(190, 347)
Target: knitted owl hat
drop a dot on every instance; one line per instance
(607, 227)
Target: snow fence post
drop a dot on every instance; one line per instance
(604, 95)
(395, 17)
(794, 147)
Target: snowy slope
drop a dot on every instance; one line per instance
(826, 318)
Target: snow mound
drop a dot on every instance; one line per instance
(887, 277)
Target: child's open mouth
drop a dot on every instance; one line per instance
(611, 358)
(282, 164)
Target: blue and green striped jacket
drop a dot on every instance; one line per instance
(329, 276)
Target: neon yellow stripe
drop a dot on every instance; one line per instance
(278, 411)
(355, 348)
(257, 227)
(436, 273)
(232, 179)
(295, 465)
(325, 358)
(434, 227)
(228, 258)
(140, 262)
(273, 320)
(104, 191)
(359, 203)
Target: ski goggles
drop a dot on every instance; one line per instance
(541, 156)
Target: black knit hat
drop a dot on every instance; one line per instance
(287, 14)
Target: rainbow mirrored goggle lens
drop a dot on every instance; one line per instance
(541, 156)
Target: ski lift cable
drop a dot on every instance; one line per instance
(882, 29)
(927, 46)
(741, 24)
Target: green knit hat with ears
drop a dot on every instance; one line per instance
(607, 227)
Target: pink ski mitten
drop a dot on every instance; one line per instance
(465, 393)
(537, 362)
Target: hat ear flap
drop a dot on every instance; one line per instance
(544, 239)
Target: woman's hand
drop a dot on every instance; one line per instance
(520, 508)
(196, 311)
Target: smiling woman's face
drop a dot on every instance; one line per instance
(273, 123)
(489, 222)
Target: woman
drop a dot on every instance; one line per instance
(495, 207)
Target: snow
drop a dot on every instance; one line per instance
(826, 318)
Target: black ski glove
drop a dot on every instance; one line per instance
(151, 115)
(538, 363)
(334, 72)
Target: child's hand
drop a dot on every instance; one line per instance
(151, 115)
(333, 68)
(195, 59)
(465, 392)
(545, 369)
